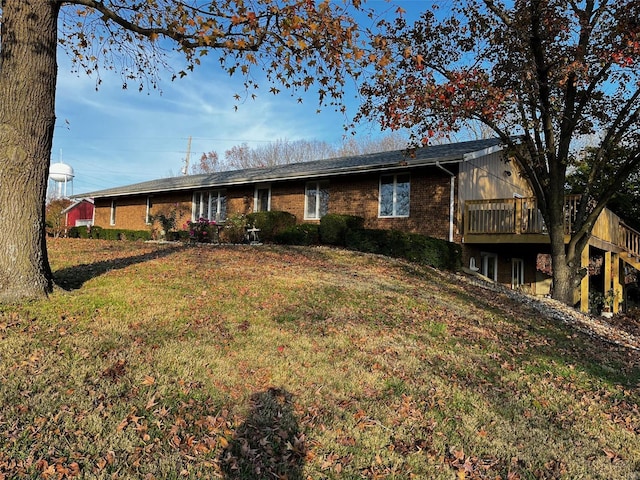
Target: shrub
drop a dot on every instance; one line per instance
(411, 246)
(271, 223)
(164, 223)
(334, 227)
(202, 231)
(85, 232)
(304, 234)
(121, 234)
(234, 228)
(77, 232)
(108, 233)
(55, 220)
(181, 236)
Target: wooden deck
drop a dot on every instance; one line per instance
(518, 220)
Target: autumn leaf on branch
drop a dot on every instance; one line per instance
(557, 82)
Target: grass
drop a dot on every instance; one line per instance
(153, 361)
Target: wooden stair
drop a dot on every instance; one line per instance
(631, 259)
(629, 240)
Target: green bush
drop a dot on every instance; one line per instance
(271, 223)
(77, 232)
(109, 233)
(202, 231)
(411, 246)
(120, 234)
(334, 227)
(304, 234)
(181, 236)
(85, 232)
(234, 229)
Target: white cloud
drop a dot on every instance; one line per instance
(113, 137)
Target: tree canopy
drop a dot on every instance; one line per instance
(544, 75)
(298, 44)
(284, 151)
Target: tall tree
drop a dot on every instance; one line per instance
(283, 152)
(548, 71)
(209, 163)
(361, 146)
(279, 152)
(297, 43)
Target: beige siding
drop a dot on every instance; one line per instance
(607, 227)
(486, 178)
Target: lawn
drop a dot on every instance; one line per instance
(156, 361)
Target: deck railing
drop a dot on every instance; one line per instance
(630, 240)
(512, 216)
(517, 216)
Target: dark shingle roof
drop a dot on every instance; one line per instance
(448, 153)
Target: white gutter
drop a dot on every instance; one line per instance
(451, 199)
(481, 153)
(265, 179)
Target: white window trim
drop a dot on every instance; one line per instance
(147, 216)
(112, 213)
(395, 196)
(212, 197)
(194, 217)
(517, 270)
(317, 185)
(486, 257)
(265, 186)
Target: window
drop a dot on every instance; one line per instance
(490, 266)
(210, 205)
(316, 200)
(517, 273)
(262, 199)
(112, 218)
(147, 217)
(394, 196)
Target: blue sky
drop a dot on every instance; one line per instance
(113, 137)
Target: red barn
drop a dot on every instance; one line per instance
(79, 213)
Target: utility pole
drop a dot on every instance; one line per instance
(185, 169)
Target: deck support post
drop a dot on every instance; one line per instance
(584, 283)
(607, 272)
(615, 280)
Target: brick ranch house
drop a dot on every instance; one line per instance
(471, 193)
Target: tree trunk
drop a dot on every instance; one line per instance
(562, 261)
(563, 273)
(28, 72)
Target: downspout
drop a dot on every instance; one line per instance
(451, 199)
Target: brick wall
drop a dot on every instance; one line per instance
(240, 200)
(131, 211)
(428, 209)
(352, 195)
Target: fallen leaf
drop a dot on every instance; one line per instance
(151, 402)
(611, 455)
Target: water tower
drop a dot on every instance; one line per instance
(61, 175)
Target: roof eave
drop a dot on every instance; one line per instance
(403, 165)
(267, 179)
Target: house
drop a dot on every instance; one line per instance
(470, 193)
(79, 213)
